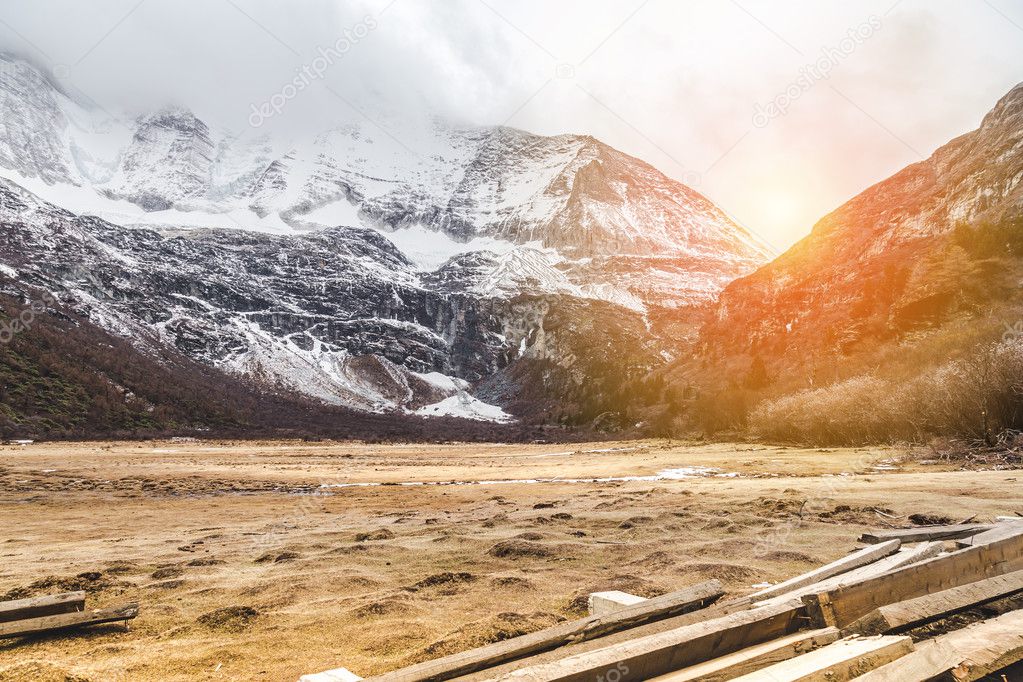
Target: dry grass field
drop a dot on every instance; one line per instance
(267, 560)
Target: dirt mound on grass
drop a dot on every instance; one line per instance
(634, 521)
(512, 581)
(789, 555)
(446, 579)
(931, 520)
(725, 572)
(382, 534)
(91, 581)
(489, 630)
(231, 618)
(397, 605)
(520, 549)
(277, 557)
(203, 561)
(658, 560)
(167, 572)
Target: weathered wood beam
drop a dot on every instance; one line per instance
(926, 533)
(927, 662)
(904, 557)
(48, 605)
(844, 660)
(463, 663)
(999, 532)
(843, 605)
(908, 614)
(60, 621)
(653, 655)
(971, 653)
(867, 555)
(753, 658)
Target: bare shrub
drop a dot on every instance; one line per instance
(975, 398)
(845, 412)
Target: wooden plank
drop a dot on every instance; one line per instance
(926, 533)
(964, 655)
(844, 660)
(905, 615)
(865, 556)
(917, 553)
(47, 605)
(463, 663)
(999, 532)
(716, 610)
(927, 661)
(904, 557)
(843, 605)
(60, 621)
(647, 657)
(753, 658)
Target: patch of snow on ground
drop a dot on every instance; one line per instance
(467, 407)
(679, 474)
(8, 271)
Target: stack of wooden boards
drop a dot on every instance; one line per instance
(56, 612)
(842, 621)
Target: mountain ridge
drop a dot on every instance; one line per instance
(552, 276)
(362, 274)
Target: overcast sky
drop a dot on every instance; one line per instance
(685, 85)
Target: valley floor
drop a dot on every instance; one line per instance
(248, 568)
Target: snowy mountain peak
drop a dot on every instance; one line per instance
(571, 193)
(35, 136)
(169, 161)
(344, 263)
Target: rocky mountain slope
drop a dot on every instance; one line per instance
(338, 314)
(352, 267)
(65, 377)
(898, 287)
(865, 268)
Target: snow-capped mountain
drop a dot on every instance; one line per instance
(351, 265)
(339, 314)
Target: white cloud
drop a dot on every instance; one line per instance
(674, 82)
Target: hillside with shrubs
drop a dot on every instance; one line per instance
(899, 317)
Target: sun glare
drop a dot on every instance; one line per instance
(781, 215)
(780, 209)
